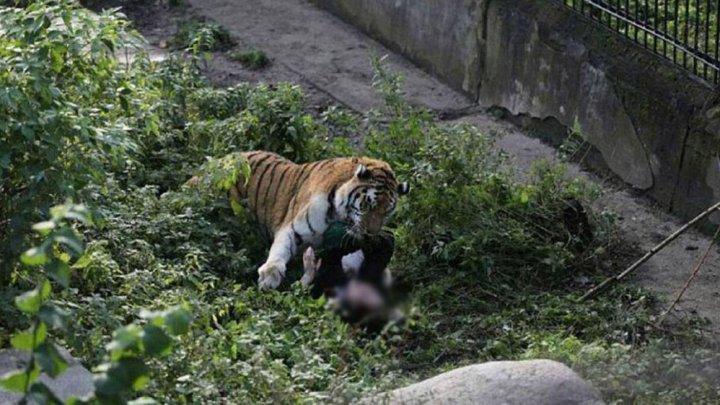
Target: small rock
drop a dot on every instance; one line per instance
(163, 44)
(539, 382)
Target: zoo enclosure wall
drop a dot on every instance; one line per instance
(653, 121)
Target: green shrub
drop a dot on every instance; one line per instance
(254, 59)
(125, 371)
(200, 36)
(74, 111)
(60, 86)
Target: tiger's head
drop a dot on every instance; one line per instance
(368, 199)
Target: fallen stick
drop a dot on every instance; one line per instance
(593, 291)
(690, 279)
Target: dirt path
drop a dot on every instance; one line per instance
(331, 60)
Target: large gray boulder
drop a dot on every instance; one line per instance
(537, 382)
(75, 381)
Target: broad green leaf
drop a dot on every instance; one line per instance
(23, 341)
(45, 290)
(79, 213)
(122, 376)
(29, 302)
(71, 211)
(141, 382)
(143, 401)
(125, 339)
(156, 317)
(69, 238)
(178, 321)
(34, 256)
(50, 359)
(52, 315)
(524, 197)
(155, 341)
(19, 380)
(58, 271)
(30, 339)
(44, 226)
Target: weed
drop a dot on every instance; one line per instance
(200, 36)
(254, 59)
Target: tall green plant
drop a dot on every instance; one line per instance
(68, 109)
(124, 371)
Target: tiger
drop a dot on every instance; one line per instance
(295, 203)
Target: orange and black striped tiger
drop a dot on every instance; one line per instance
(294, 203)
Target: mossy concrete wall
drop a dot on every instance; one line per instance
(656, 127)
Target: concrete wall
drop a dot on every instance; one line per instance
(655, 126)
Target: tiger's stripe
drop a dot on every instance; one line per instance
(294, 203)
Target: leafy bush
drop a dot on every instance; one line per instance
(125, 370)
(200, 36)
(59, 86)
(249, 118)
(254, 59)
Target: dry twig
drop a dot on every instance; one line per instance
(690, 279)
(593, 291)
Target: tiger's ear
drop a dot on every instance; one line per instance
(403, 188)
(362, 172)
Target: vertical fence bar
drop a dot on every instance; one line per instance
(706, 48)
(618, 7)
(717, 43)
(627, 17)
(687, 33)
(675, 29)
(618, 20)
(655, 24)
(665, 30)
(646, 15)
(637, 5)
(626, 13)
(696, 45)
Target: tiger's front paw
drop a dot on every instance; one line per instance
(271, 274)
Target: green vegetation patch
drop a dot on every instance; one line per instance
(202, 36)
(490, 267)
(254, 59)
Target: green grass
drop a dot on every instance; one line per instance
(489, 267)
(254, 59)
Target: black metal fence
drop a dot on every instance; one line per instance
(687, 32)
